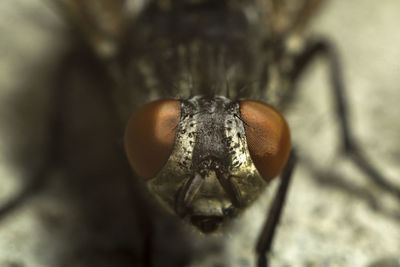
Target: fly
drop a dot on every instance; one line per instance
(206, 82)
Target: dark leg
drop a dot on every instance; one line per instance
(265, 240)
(52, 155)
(350, 146)
(142, 218)
(138, 199)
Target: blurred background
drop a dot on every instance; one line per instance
(334, 215)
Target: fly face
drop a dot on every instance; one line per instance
(196, 157)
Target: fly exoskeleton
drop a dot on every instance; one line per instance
(207, 158)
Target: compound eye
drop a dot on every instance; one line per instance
(150, 135)
(268, 137)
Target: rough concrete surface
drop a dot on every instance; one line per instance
(334, 215)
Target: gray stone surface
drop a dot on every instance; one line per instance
(346, 222)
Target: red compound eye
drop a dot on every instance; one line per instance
(150, 135)
(268, 137)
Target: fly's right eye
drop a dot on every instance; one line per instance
(150, 135)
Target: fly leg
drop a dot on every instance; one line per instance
(52, 156)
(349, 145)
(266, 237)
(55, 126)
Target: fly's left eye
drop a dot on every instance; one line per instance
(267, 136)
(150, 135)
